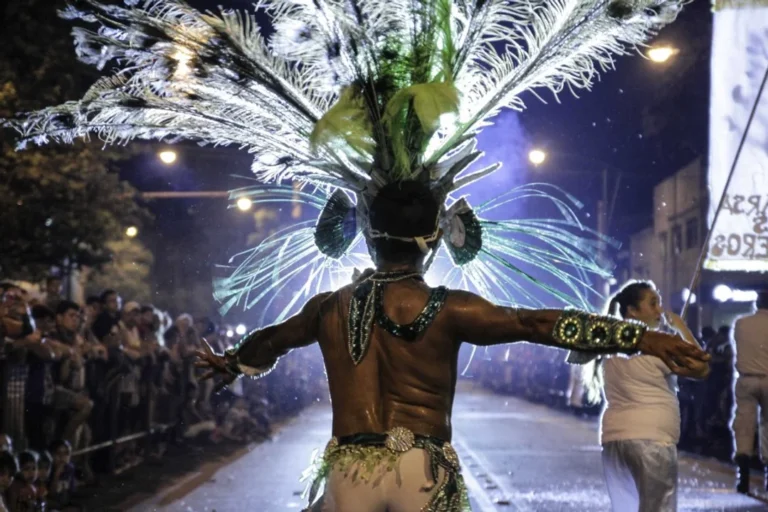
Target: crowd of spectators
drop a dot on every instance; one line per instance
(95, 388)
(541, 375)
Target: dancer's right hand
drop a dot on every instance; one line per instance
(683, 358)
(216, 366)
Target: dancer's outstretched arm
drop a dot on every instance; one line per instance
(257, 353)
(477, 321)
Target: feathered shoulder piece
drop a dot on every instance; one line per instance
(344, 95)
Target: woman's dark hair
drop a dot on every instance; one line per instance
(58, 443)
(630, 295)
(405, 209)
(8, 463)
(28, 456)
(65, 306)
(105, 295)
(45, 456)
(41, 312)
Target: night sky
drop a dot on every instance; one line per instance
(643, 119)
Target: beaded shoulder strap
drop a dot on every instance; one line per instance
(366, 309)
(411, 331)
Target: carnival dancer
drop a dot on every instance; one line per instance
(372, 109)
(390, 345)
(640, 424)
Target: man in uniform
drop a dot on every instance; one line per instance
(750, 344)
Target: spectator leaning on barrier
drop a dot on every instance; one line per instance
(19, 339)
(69, 393)
(52, 292)
(90, 313)
(39, 388)
(108, 318)
(130, 345)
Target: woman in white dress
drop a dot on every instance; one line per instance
(640, 424)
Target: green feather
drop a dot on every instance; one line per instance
(428, 102)
(346, 122)
(447, 46)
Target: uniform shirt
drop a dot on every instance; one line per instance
(641, 401)
(750, 342)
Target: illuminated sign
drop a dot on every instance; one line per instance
(738, 4)
(739, 62)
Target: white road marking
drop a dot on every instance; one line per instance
(476, 489)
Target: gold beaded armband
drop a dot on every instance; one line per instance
(577, 330)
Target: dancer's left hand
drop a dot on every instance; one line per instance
(216, 366)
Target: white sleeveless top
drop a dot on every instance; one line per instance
(641, 401)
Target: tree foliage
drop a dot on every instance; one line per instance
(128, 271)
(60, 205)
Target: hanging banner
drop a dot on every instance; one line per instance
(739, 61)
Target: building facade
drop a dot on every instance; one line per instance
(667, 252)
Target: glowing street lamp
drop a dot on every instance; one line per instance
(537, 156)
(182, 57)
(167, 157)
(662, 54)
(240, 330)
(131, 231)
(244, 204)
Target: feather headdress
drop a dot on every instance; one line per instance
(347, 96)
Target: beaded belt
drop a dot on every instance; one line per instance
(374, 450)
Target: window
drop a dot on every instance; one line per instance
(692, 233)
(677, 239)
(663, 245)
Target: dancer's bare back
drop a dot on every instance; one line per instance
(402, 383)
(412, 384)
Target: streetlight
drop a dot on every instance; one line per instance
(182, 57)
(131, 231)
(662, 54)
(240, 329)
(722, 293)
(537, 156)
(244, 204)
(167, 157)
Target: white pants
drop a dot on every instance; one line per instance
(576, 387)
(750, 393)
(407, 487)
(641, 476)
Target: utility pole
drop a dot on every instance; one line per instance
(603, 288)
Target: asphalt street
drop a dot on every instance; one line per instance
(516, 456)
